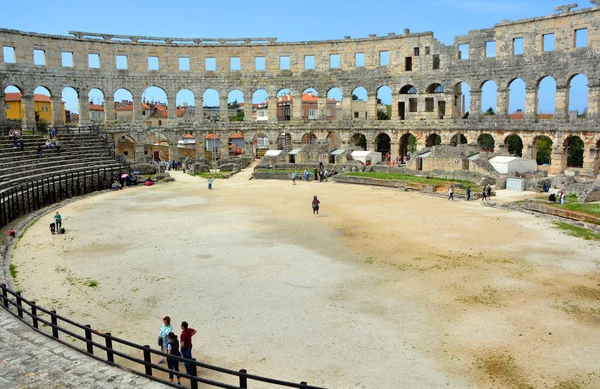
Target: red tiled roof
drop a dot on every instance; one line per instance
(521, 115)
(212, 136)
(96, 107)
(16, 96)
(236, 136)
(188, 136)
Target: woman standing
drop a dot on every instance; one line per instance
(173, 349)
(163, 335)
(315, 206)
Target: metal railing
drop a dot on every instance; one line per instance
(107, 348)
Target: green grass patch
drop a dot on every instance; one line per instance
(577, 232)
(592, 209)
(409, 178)
(297, 171)
(93, 284)
(13, 271)
(216, 176)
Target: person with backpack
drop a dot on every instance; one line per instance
(451, 193)
(173, 363)
(315, 206)
(163, 335)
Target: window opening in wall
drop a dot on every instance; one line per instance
(429, 104)
(121, 62)
(518, 46)
(284, 62)
(67, 59)
(260, 63)
(412, 104)
(463, 51)
(417, 51)
(408, 64)
(490, 49)
(184, 64)
(8, 54)
(210, 64)
(384, 58)
(93, 61)
(359, 60)
(152, 63)
(427, 50)
(235, 63)
(356, 115)
(581, 37)
(39, 57)
(548, 42)
(334, 61)
(309, 62)
(436, 61)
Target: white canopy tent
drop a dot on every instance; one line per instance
(273, 153)
(367, 157)
(505, 165)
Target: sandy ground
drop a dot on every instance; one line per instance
(385, 289)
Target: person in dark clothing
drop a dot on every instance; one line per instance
(321, 175)
(316, 175)
(315, 206)
(186, 344)
(21, 144)
(483, 195)
(489, 190)
(173, 363)
(468, 193)
(552, 198)
(40, 152)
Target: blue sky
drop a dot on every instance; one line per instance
(308, 20)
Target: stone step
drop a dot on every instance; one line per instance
(53, 168)
(25, 168)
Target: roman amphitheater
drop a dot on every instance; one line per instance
(388, 288)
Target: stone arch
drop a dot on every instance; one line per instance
(383, 144)
(359, 140)
(186, 146)
(436, 88)
(516, 98)
(578, 94)
(95, 101)
(486, 142)
(211, 105)
(384, 103)
(541, 149)
(14, 104)
(310, 104)
(335, 97)
(546, 96)
(573, 152)
(157, 146)
(408, 90)
(235, 105)
(155, 106)
(407, 145)
(462, 100)
(125, 145)
(285, 101)
(70, 100)
(309, 139)
(433, 139)
(184, 103)
(236, 144)
(123, 99)
(43, 104)
(359, 104)
(514, 145)
(458, 139)
(489, 97)
(333, 138)
(260, 105)
(284, 141)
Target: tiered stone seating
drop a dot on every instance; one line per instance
(79, 152)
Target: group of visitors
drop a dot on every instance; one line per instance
(56, 226)
(50, 145)
(560, 199)
(182, 347)
(400, 160)
(486, 193)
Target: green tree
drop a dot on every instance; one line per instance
(515, 145)
(544, 151)
(487, 142)
(382, 115)
(412, 143)
(233, 105)
(41, 124)
(490, 112)
(362, 142)
(354, 97)
(575, 152)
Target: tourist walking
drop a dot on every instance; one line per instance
(186, 343)
(315, 206)
(321, 175)
(489, 190)
(58, 220)
(173, 363)
(316, 175)
(163, 332)
(13, 133)
(306, 175)
(484, 195)
(451, 193)
(561, 197)
(294, 178)
(321, 163)
(210, 182)
(40, 152)
(468, 193)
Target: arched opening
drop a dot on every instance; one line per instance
(260, 106)
(462, 100)
(185, 100)
(546, 98)
(126, 147)
(211, 105)
(407, 101)
(516, 99)
(578, 96)
(542, 150)
(284, 141)
(309, 139)
(14, 107)
(186, 146)
(486, 143)
(236, 145)
(489, 98)
(70, 100)
(310, 104)
(43, 109)
(123, 106)
(212, 147)
(597, 159)
(384, 103)
(285, 102)
(383, 145)
(458, 139)
(433, 103)
(96, 106)
(155, 107)
(573, 151)
(514, 145)
(261, 143)
(156, 147)
(359, 140)
(408, 145)
(235, 106)
(333, 139)
(359, 103)
(433, 140)
(335, 99)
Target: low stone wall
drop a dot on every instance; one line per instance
(477, 179)
(563, 213)
(279, 175)
(388, 183)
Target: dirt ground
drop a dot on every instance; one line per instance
(385, 289)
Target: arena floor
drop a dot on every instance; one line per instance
(385, 289)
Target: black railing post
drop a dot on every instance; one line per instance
(110, 357)
(303, 384)
(148, 360)
(34, 315)
(243, 379)
(54, 321)
(193, 373)
(88, 339)
(5, 295)
(19, 305)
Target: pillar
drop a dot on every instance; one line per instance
(224, 146)
(297, 110)
(272, 109)
(475, 106)
(449, 99)
(395, 111)
(139, 152)
(57, 111)
(248, 109)
(531, 102)
(593, 102)
(84, 112)
(137, 110)
(109, 110)
(29, 108)
(223, 109)
(173, 152)
(2, 110)
(322, 107)
(198, 107)
(172, 109)
(503, 96)
(347, 113)
(590, 154)
(562, 102)
(557, 165)
(199, 146)
(372, 107)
